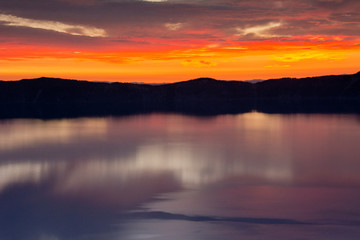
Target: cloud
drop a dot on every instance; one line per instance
(236, 48)
(262, 31)
(154, 0)
(173, 26)
(198, 63)
(278, 66)
(299, 56)
(120, 25)
(10, 20)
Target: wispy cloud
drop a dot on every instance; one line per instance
(173, 26)
(11, 20)
(198, 63)
(317, 55)
(155, 1)
(262, 31)
(200, 35)
(278, 66)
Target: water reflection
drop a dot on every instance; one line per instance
(11, 174)
(22, 133)
(262, 168)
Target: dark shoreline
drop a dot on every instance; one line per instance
(53, 111)
(47, 98)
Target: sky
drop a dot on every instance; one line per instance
(154, 41)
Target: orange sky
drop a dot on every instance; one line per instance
(148, 41)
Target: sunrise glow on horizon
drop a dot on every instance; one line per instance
(174, 40)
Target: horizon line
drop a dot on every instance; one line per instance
(164, 83)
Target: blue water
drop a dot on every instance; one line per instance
(168, 176)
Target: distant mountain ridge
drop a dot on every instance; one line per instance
(198, 96)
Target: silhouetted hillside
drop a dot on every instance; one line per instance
(342, 86)
(50, 97)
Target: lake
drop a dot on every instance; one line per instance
(171, 176)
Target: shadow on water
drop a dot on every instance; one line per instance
(31, 212)
(28, 212)
(37, 211)
(171, 216)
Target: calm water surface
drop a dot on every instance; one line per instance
(163, 176)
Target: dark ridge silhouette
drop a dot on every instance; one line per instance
(58, 98)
